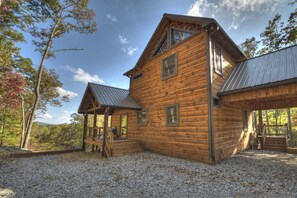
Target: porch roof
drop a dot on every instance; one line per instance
(276, 68)
(107, 96)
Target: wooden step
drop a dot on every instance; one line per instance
(275, 144)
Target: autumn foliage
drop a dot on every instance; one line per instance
(11, 86)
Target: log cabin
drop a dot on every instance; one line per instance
(193, 94)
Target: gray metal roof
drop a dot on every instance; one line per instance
(113, 97)
(107, 96)
(279, 67)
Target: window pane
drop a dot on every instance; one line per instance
(178, 36)
(245, 120)
(141, 117)
(169, 67)
(163, 46)
(172, 115)
(218, 59)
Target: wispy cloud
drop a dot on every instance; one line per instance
(130, 50)
(82, 76)
(64, 92)
(123, 39)
(238, 9)
(112, 18)
(45, 116)
(64, 117)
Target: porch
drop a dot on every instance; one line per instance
(100, 133)
(114, 146)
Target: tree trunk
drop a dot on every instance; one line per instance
(37, 97)
(290, 127)
(23, 121)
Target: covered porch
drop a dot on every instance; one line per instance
(263, 85)
(98, 106)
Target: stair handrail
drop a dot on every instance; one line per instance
(264, 135)
(109, 142)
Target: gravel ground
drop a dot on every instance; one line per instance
(249, 174)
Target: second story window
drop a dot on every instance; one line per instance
(178, 36)
(169, 66)
(218, 59)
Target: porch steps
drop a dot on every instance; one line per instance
(275, 144)
(125, 147)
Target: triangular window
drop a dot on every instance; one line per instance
(163, 45)
(179, 35)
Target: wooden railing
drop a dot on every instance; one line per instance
(108, 142)
(95, 133)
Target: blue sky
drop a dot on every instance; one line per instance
(124, 29)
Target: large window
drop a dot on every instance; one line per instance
(141, 117)
(218, 59)
(172, 115)
(179, 35)
(169, 66)
(245, 120)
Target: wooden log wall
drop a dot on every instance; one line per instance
(188, 89)
(227, 116)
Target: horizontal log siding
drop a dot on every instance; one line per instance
(188, 89)
(227, 117)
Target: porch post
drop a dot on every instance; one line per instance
(105, 130)
(85, 131)
(94, 126)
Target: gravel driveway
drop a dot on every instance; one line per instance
(249, 174)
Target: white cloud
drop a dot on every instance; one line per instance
(238, 6)
(123, 39)
(132, 50)
(235, 23)
(82, 76)
(200, 7)
(45, 116)
(238, 9)
(112, 18)
(64, 92)
(64, 117)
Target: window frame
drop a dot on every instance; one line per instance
(216, 69)
(146, 120)
(181, 30)
(177, 115)
(245, 120)
(164, 38)
(176, 65)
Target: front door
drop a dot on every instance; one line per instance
(124, 123)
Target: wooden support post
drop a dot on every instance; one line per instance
(105, 130)
(85, 131)
(94, 126)
(290, 127)
(260, 127)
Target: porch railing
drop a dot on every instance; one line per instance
(95, 133)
